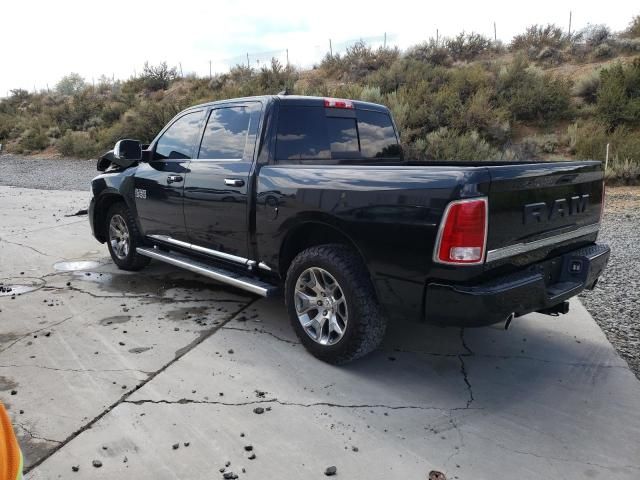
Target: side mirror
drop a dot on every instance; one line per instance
(128, 150)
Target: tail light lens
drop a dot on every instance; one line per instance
(462, 236)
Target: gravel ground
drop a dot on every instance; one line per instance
(614, 304)
(46, 173)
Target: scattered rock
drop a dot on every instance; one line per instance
(355, 449)
(258, 410)
(330, 471)
(175, 446)
(186, 444)
(75, 468)
(229, 475)
(436, 475)
(248, 448)
(252, 456)
(96, 463)
(230, 351)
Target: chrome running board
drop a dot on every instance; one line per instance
(223, 276)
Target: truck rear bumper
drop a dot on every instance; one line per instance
(538, 287)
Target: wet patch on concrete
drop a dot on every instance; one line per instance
(9, 337)
(7, 384)
(75, 265)
(115, 319)
(187, 313)
(33, 448)
(13, 286)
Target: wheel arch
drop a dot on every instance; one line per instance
(102, 205)
(309, 234)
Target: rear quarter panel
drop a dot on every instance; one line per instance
(390, 213)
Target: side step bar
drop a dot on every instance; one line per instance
(223, 276)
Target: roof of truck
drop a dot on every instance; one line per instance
(299, 100)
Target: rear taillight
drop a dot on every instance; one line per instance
(337, 103)
(462, 237)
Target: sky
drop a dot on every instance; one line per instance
(41, 41)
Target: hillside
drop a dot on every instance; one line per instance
(546, 95)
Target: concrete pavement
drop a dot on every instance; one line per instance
(184, 361)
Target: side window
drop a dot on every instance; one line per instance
(178, 140)
(230, 133)
(377, 135)
(308, 133)
(302, 134)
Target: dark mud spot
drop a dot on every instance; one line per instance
(139, 349)
(115, 319)
(186, 313)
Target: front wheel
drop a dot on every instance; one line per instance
(332, 304)
(123, 238)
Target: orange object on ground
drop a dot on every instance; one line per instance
(10, 454)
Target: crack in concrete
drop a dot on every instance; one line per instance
(22, 337)
(78, 370)
(189, 401)
(206, 334)
(26, 246)
(33, 435)
(261, 330)
(463, 368)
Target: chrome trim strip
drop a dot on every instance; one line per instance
(253, 286)
(207, 251)
(264, 266)
(518, 248)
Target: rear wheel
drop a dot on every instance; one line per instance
(332, 304)
(123, 238)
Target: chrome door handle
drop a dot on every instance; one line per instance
(174, 178)
(233, 182)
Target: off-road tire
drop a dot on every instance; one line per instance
(366, 323)
(133, 260)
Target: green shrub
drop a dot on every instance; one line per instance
(587, 86)
(633, 31)
(539, 37)
(430, 52)
(70, 84)
(467, 46)
(78, 144)
(532, 96)
(158, 77)
(618, 97)
(449, 144)
(33, 140)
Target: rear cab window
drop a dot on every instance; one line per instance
(316, 133)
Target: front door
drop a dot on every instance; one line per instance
(216, 188)
(159, 183)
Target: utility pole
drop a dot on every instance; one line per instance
(437, 36)
(248, 64)
(287, 57)
(385, 40)
(330, 49)
(210, 70)
(569, 22)
(495, 32)
(180, 64)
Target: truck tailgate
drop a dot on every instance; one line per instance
(537, 208)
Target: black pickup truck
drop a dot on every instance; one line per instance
(315, 195)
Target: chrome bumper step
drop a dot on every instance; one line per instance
(216, 273)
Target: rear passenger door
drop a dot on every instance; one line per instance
(216, 188)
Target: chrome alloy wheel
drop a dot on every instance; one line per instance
(321, 306)
(119, 237)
